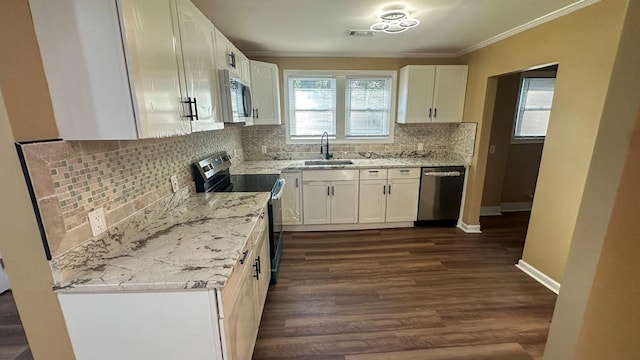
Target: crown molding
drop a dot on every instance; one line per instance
(531, 24)
(347, 54)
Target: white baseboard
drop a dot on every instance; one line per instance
(469, 229)
(490, 211)
(516, 206)
(538, 276)
(344, 227)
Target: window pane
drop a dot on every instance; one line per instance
(312, 106)
(368, 103)
(536, 97)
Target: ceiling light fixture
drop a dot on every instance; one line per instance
(394, 22)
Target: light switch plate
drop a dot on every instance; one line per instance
(492, 149)
(420, 146)
(97, 221)
(264, 149)
(174, 183)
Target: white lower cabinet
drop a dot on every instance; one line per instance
(180, 324)
(330, 196)
(389, 196)
(292, 198)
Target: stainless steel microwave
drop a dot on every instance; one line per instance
(235, 99)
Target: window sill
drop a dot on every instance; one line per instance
(527, 140)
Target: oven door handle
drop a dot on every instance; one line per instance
(278, 195)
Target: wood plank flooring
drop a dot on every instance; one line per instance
(13, 341)
(417, 293)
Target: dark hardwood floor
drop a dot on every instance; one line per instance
(13, 341)
(417, 293)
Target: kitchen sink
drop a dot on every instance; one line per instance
(328, 162)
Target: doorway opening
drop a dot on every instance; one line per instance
(521, 110)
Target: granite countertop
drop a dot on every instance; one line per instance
(194, 245)
(277, 166)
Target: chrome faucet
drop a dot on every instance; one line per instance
(327, 154)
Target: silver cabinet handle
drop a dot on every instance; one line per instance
(429, 113)
(405, 170)
(328, 190)
(389, 192)
(373, 171)
(384, 189)
(297, 185)
(333, 191)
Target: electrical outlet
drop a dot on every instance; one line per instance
(264, 149)
(420, 146)
(492, 149)
(98, 221)
(174, 183)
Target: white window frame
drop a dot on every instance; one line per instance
(528, 139)
(341, 108)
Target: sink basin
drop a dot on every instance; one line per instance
(328, 162)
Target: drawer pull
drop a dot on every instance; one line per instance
(405, 170)
(374, 171)
(244, 256)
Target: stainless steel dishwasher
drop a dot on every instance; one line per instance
(440, 194)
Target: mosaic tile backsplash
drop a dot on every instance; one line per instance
(440, 140)
(72, 178)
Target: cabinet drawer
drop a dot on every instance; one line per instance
(366, 174)
(237, 276)
(330, 175)
(259, 229)
(404, 173)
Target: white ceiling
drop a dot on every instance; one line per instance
(319, 27)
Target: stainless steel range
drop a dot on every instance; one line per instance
(212, 175)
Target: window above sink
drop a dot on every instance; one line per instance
(352, 106)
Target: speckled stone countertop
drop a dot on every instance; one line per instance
(277, 166)
(194, 245)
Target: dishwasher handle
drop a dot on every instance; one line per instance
(442, 173)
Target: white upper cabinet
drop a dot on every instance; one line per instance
(200, 78)
(115, 69)
(265, 93)
(431, 93)
(228, 57)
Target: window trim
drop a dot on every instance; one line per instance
(341, 108)
(529, 139)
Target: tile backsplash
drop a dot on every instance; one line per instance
(72, 178)
(440, 140)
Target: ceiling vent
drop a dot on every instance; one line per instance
(360, 33)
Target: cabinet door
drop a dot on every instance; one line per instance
(198, 64)
(316, 202)
(291, 199)
(415, 102)
(265, 92)
(344, 202)
(449, 93)
(222, 51)
(244, 67)
(264, 276)
(373, 201)
(153, 66)
(240, 321)
(402, 200)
